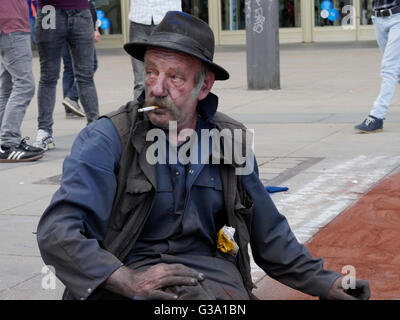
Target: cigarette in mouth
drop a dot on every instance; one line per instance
(148, 109)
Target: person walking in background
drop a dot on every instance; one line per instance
(72, 23)
(386, 18)
(70, 90)
(17, 86)
(145, 16)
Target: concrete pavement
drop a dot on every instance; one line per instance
(304, 140)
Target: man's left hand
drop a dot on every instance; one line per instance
(337, 292)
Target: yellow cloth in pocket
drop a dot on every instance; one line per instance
(226, 242)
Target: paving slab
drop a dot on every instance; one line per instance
(363, 239)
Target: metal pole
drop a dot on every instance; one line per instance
(262, 44)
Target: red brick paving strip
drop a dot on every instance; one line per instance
(366, 236)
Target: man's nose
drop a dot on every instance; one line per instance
(159, 87)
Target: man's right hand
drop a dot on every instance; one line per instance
(149, 284)
(360, 292)
(97, 36)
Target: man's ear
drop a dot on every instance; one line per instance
(207, 85)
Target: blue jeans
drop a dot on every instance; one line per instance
(76, 28)
(70, 88)
(17, 85)
(388, 37)
(32, 22)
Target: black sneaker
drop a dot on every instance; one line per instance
(370, 124)
(20, 153)
(30, 148)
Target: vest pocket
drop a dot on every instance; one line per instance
(136, 192)
(137, 186)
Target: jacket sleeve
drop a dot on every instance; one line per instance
(276, 250)
(77, 217)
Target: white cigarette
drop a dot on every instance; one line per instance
(148, 109)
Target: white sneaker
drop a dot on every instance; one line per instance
(44, 140)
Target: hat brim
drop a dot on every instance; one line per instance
(138, 49)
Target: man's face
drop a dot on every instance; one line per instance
(170, 79)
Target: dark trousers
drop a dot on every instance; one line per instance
(223, 280)
(70, 89)
(76, 28)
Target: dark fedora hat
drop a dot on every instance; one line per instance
(185, 33)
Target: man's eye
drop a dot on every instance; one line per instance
(176, 79)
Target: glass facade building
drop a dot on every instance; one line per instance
(233, 14)
(113, 12)
(299, 20)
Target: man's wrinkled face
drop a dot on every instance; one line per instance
(170, 81)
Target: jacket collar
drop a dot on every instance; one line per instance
(208, 107)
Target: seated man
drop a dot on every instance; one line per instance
(125, 226)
